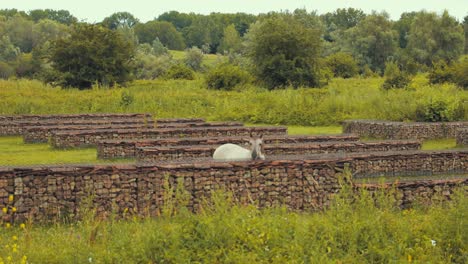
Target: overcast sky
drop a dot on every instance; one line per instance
(96, 10)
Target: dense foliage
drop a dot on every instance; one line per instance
(285, 50)
(302, 49)
(341, 99)
(226, 77)
(92, 54)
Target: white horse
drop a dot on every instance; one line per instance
(235, 152)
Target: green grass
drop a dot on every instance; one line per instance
(437, 144)
(14, 152)
(308, 130)
(340, 100)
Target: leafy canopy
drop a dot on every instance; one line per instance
(92, 54)
(285, 50)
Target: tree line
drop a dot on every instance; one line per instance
(297, 48)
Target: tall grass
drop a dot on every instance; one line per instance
(355, 229)
(340, 100)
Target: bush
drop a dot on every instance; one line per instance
(439, 111)
(194, 58)
(342, 65)
(440, 73)
(394, 78)
(226, 77)
(6, 71)
(460, 73)
(180, 71)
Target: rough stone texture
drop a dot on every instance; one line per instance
(421, 191)
(170, 153)
(10, 128)
(299, 182)
(462, 137)
(180, 120)
(91, 137)
(73, 116)
(41, 134)
(198, 124)
(109, 149)
(402, 130)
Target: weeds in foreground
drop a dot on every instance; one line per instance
(361, 227)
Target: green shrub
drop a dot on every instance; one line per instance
(194, 58)
(394, 78)
(180, 71)
(439, 111)
(226, 77)
(460, 73)
(441, 72)
(342, 65)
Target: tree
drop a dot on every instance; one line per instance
(164, 31)
(433, 38)
(403, 26)
(204, 31)
(194, 58)
(47, 30)
(284, 51)
(120, 19)
(465, 28)
(92, 54)
(8, 51)
(342, 65)
(179, 20)
(19, 29)
(231, 40)
(60, 16)
(373, 41)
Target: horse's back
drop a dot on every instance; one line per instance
(231, 152)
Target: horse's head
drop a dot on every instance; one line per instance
(256, 144)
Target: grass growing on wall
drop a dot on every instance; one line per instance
(356, 230)
(340, 100)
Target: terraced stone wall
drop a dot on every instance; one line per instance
(462, 137)
(83, 138)
(402, 130)
(110, 149)
(15, 125)
(300, 183)
(171, 153)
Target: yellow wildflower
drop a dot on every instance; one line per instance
(15, 238)
(9, 258)
(7, 225)
(13, 209)
(22, 226)
(15, 248)
(5, 210)
(24, 260)
(11, 198)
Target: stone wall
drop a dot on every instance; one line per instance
(402, 130)
(11, 128)
(198, 124)
(180, 120)
(41, 134)
(5, 118)
(91, 137)
(110, 149)
(462, 137)
(300, 183)
(420, 191)
(172, 153)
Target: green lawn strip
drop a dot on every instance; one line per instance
(14, 152)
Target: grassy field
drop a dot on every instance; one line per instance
(340, 100)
